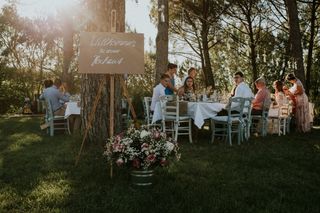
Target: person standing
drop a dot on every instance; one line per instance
(301, 113)
(171, 72)
(192, 72)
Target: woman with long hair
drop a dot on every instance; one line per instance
(188, 89)
(280, 97)
(301, 103)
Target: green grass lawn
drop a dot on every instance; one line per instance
(271, 174)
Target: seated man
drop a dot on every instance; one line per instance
(159, 90)
(241, 90)
(262, 98)
(56, 97)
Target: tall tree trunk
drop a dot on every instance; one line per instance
(207, 69)
(162, 39)
(313, 19)
(295, 38)
(101, 11)
(253, 55)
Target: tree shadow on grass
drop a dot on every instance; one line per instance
(265, 174)
(34, 166)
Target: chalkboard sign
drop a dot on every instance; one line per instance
(112, 53)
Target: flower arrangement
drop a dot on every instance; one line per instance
(141, 148)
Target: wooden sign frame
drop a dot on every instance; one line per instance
(111, 53)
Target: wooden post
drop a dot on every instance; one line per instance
(111, 122)
(111, 129)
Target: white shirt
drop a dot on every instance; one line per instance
(157, 92)
(243, 91)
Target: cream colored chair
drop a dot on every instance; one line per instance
(172, 121)
(283, 120)
(146, 102)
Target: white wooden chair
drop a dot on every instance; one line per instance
(232, 123)
(146, 102)
(260, 122)
(283, 120)
(125, 113)
(172, 121)
(311, 113)
(247, 107)
(55, 122)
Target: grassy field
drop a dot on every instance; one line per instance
(271, 174)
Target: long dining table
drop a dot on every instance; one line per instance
(72, 109)
(198, 111)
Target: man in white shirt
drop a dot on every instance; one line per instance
(159, 90)
(242, 90)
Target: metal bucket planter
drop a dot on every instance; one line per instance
(142, 178)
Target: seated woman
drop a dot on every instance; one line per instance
(301, 103)
(187, 90)
(280, 97)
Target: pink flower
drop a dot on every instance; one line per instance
(118, 138)
(136, 163)
(144, 145)
(151, 158)
(157, 135)
(163, 162)
(119, 162)
(117, 147)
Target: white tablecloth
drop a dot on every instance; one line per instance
(72, 109)
(198, 111)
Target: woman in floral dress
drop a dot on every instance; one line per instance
(301, 103)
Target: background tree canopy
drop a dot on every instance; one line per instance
(259, 37)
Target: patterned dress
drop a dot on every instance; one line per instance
(281, 98)
(302, 108)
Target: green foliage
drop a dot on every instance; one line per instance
(12, 90)
(270, 174)
(30, 52)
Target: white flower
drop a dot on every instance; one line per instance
(169, 146)
(144, 133)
